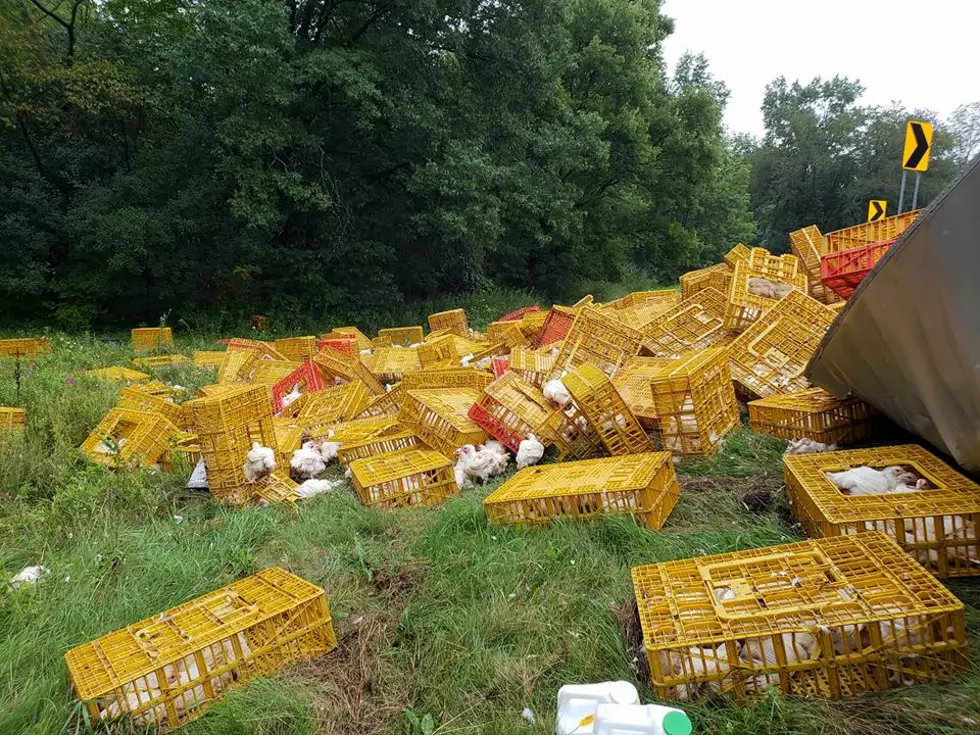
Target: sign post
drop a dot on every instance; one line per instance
(918, 145)
(877, 209)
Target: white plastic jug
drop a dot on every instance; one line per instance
(577, 704)
(640, 719)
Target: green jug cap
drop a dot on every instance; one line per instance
(677, 723)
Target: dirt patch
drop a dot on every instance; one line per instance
(628, 617)
(714, 501)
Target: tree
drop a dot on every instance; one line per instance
(964, 125)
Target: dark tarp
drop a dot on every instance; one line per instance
(908, 341)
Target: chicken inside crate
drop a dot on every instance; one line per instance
(632, 383)
(697, 323)
(643, 486)
(597, 399)
(509, 409)
(770, 357)
(758, 284)
(829, 618)
(573, 434)
(904, 491)
(404, 478)
(817, 415)
(695, 403)
(440, 417)
(170, 668)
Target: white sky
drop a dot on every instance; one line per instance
(924, 54)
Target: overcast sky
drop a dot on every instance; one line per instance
(924, 54)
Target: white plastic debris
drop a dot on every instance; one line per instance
(178, 519)
(29, 576)
(577, 703)
(199, 477)
(528, 715)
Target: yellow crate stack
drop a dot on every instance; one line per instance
(643, 486)
(770, 357)
(406, 478)
(696, 323)
(226, 425)
(151, 338)
(28, 347)
(400, 336)
(828, 618)
(808, 244)
(745, 308)
(12, 418)
(815, 414)
(447, 378)
(597, 400)
(126, 438)
(453, 321)
(440, 417)
(168, 669)
(439, 352)
(938, 526)
(336, 365)
(389, 364)
(718, 277)
(695, 403)
(599, 339)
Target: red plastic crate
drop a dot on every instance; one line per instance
(347, 346)
(843, 271)
(556, 326)
(499, 365)
(307, 376)
(515, 315)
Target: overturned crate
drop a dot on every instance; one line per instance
(439, 352)
(599, 339)
(151, 338)
(533, 366)
(400, 336)
(939, 526)
(332, 405)
(632, 383)
(440, 417)
(337, 366)
(744, 306)
(639, 308)
(126, 438)
(573, 435)
(447, 378)
(134, 398)
(27, 347)
(696, 323)
(643, 486)
(770, 357)
(306, 379)
(558, 320)
(509, 333)
(391, 363)
(718, 277)
(12, 418)
(828, 618)
(815, 414)
(158, 362)
(809, 245)
(238, 365)
(408, 477)
(378, 445)
(598, 401)
(207, 358)
(270, 372)
(509, 409)
(297, 348)
(453, 321)
(387, 405)
(168, 669)
(695, 403)
(867, 233)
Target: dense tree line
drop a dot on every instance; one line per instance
(345, 157)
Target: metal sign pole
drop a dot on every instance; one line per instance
(901, 196)
(915, 194)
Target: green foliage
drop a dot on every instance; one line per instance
(315, 159)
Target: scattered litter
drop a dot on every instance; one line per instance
(178, 519)
(528, 715)
(199, 477)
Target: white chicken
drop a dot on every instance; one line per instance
(466, 359)
(805, 445)
(291, 397)
(556, 392)
(494, 446)
(259, 462)
(307, 462)
(29, 576)
(329, 449)
(529, 452)
(314, 487)
(481, 465)
(869, 481)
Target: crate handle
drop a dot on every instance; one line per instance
(752, 345)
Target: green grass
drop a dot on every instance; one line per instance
(437, 612)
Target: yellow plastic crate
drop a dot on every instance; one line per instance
(744, 308)
(238, 365)
(439, 352)
(769, 358)
(573, 435)
(117, 374)
(270, 372)
(378, 445)
(828, 618)
(718, 277)
(157, 388)
(408, 477)
(297, 349)
(28, 347)
(289, 434)
(633, 385)
(168, 669)
(533, 366)
(335, 365)
(226, 425)
(389, 364)
(151, 338)
(808, 244)
(332, 405)
(278, 487)
(695, 403)
(643, 486)
(738, 254)
(696, 323)
(598, 339)
(453, 321)
(509, 409)
(531, 324)
(134, 398)
(440, 417)
(639, 308)
(509, 333)
(387, 405)
(867, 233)
(266, 350)
(207, 359)
(12, 418)
(400, 336)
(938, 527)
(359, 430)
(126, 439)
(363, 341)
(160, 361)
(596, 398)
(447, 378)
(815, 414)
